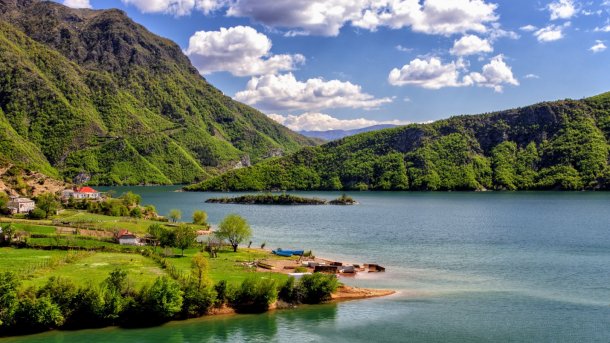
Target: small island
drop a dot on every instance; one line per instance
(280, 199)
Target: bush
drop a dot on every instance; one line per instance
(37, 214)
(163, 300)
(317, 287)
(197, 300)
(289, 291)
(9, 284)
(222, 293)
(37, 314)
(254, 296)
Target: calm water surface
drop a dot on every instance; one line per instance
(469, 267)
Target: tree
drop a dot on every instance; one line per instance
(131, 199)
(4, 199)
(200, 217)
(175, 215)
(199, 270)
(163, 299)
(7, 234)
(9, 285)
(185, 236)
(235, 229)
(156, 232)
(48, 203)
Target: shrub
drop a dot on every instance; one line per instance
(289, 291)
(163, 300)
(317, 287)
(37, 314)
(222, 293)
(37, 214)
(197, 300)
(255, 295)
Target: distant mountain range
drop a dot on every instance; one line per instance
(91, 95)
(560, 145)
(331, 135)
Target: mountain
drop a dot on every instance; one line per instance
(551, 145)
(331, 135)
(91, 95)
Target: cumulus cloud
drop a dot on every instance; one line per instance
(77, 3)
(430, 73)
(318, 17)
(433, 74)
(495, 75)
(327, 17)
(470, 45)
(551, 33)
(314, 121)
(285, 92)
(562, 9)
(176, 7)
(444, 17)
(240, 50)
(598, 47)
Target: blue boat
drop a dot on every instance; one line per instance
(284, 253)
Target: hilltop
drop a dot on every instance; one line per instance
(550, 145)
(90, 95)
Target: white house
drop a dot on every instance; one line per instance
(81, 193)
(20, 205)
(125, 237)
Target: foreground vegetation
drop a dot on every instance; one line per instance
(553, 145)
(122, 296)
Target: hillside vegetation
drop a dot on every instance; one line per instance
(91, 94)
(551, 145)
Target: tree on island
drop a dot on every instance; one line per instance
(175, 215)
(235, 229)
(184, 237)
(200, 217)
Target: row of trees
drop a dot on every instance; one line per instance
(233, 229)
(60, 303)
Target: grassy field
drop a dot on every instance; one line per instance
(100, 221)
(228, 265)
(34, 267)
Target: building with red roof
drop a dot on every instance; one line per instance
(81, 193)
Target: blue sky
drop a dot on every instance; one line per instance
(342, 64)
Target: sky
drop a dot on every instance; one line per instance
(345, 64)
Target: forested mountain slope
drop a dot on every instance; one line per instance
(551, 145)
(89, 93)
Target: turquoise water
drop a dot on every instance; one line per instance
(468, 267)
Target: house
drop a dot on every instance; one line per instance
(81, 193)
(20, 205)
(125, 237)
(202, 236)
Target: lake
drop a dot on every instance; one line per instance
(468, 267)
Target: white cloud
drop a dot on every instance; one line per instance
(532, 76)
(403, 49)
(470, 45)
(430, 73)
(598, 47)
(550, 33)
(313, 121)
(176, 7)
(562, 9)
(433, 74)
(285, 92)
(528, 28)
(240, 50)
(444, 17)
(318, 17)
(603, 28)
(77, 3)
(495, 75)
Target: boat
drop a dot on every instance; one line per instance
(284, 253)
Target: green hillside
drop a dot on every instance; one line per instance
(91, 93)
(551, 145)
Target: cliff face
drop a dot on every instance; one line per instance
(90, 91)
(551, 145)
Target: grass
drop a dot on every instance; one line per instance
(31, 228)
(228, 265)
(12, 259)
(100, 221)
(91, 268)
